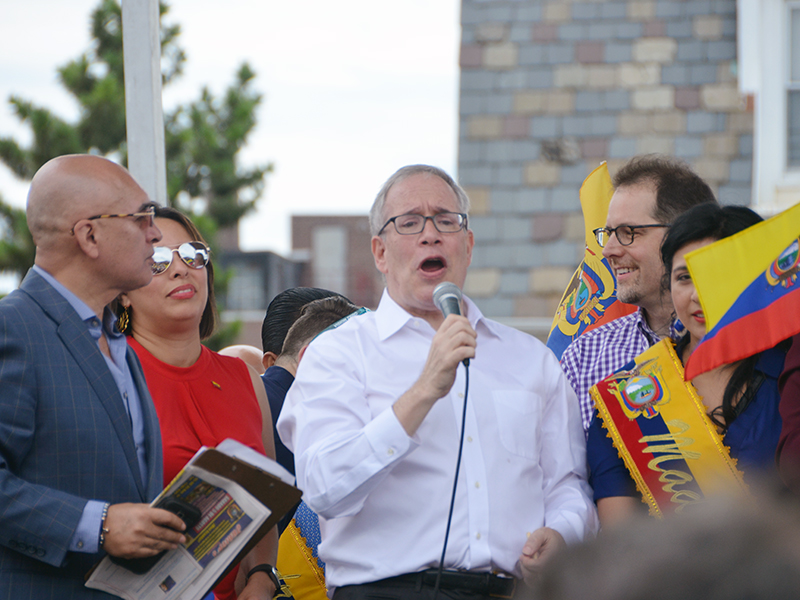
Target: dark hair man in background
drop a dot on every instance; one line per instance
(316, 317)
(282, 313)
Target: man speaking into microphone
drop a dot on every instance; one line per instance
(374, 420)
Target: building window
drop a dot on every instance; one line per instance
(246, 289)
(793, 88)
(329, 251)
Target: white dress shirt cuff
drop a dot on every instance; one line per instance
(388, 439)
(573, 527)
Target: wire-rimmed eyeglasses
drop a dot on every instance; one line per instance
(410, 224)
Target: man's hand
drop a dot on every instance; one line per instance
(540, 547)
(137, 530)
(455, 341)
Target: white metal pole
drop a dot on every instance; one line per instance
(144, 114)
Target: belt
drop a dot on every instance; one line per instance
(487, 584)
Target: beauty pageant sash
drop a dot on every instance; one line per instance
(661, 430)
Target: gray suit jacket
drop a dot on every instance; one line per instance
(65, 438)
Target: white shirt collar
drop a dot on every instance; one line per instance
(390, 317)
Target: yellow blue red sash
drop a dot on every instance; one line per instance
(298, 560)
(659, 425)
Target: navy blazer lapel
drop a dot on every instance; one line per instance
(83, 348)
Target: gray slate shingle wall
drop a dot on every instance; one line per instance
(551, 89)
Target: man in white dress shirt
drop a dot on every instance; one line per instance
(374, 419)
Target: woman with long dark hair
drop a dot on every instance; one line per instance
(741, 399)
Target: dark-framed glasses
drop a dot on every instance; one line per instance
(196, 255)
(410, 224)
(625, 233)
(149, 213)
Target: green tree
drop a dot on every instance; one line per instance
(16, 246)
(96, 81)
(202, 138)
(202, 141)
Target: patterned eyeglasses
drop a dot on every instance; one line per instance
(148, 213)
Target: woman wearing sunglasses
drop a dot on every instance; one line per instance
(201, 397)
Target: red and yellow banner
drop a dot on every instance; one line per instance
(659, 425)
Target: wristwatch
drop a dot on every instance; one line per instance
(271, 572)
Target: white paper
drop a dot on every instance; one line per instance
(229, 514)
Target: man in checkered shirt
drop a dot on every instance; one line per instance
(650, 191)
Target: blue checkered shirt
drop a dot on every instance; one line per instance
(602, 351)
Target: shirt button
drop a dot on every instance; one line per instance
(477, 484)
(95, 323)
(390, 451)
(469, 438)
(460, 395)
(125, 395)
(80, 544)
(478, 535)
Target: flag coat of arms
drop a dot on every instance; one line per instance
(748, 288)
(590, 299)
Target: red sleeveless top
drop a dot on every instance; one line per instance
(202, 405)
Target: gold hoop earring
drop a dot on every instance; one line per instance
(124, 320)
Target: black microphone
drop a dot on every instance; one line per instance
(447, 298)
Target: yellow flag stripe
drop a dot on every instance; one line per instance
(722, 271)
(596, 193)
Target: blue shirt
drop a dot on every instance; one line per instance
(85, 538)
(277, 381)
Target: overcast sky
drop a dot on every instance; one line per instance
(352, 90)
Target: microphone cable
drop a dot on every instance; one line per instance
(455, 481)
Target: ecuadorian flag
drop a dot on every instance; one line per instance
(590, 299)
(749, 290)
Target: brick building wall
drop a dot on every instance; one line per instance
(337, 251)
(551, 89)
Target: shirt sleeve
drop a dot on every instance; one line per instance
(342, 452)
(568, 506)
(608, 475)
(87, 535)
(571, 365)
